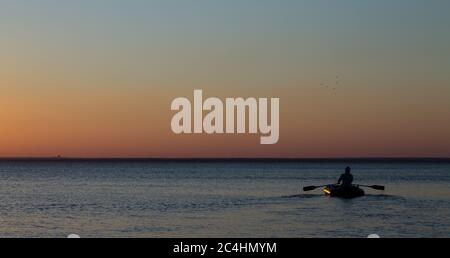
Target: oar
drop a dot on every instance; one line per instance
(310, 188)
(376, 187)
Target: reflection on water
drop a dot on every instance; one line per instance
(217, 199)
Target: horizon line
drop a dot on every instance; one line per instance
(63, 158)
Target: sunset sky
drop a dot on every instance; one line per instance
(95, 78)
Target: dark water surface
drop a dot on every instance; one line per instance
(220, 199)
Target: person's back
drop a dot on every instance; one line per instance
(346, 179)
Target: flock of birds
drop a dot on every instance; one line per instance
(334, 86)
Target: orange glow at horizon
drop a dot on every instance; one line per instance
(137, 124)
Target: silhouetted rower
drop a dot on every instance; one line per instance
(346, 179)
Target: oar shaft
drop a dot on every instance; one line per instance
(311, 188)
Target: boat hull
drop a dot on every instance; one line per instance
(341, 192)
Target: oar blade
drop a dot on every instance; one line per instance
(378, 187)
(309, 188)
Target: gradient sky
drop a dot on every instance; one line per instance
(95, 78)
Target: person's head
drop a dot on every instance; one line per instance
(348, 170)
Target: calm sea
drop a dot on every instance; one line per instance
(220, 199)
